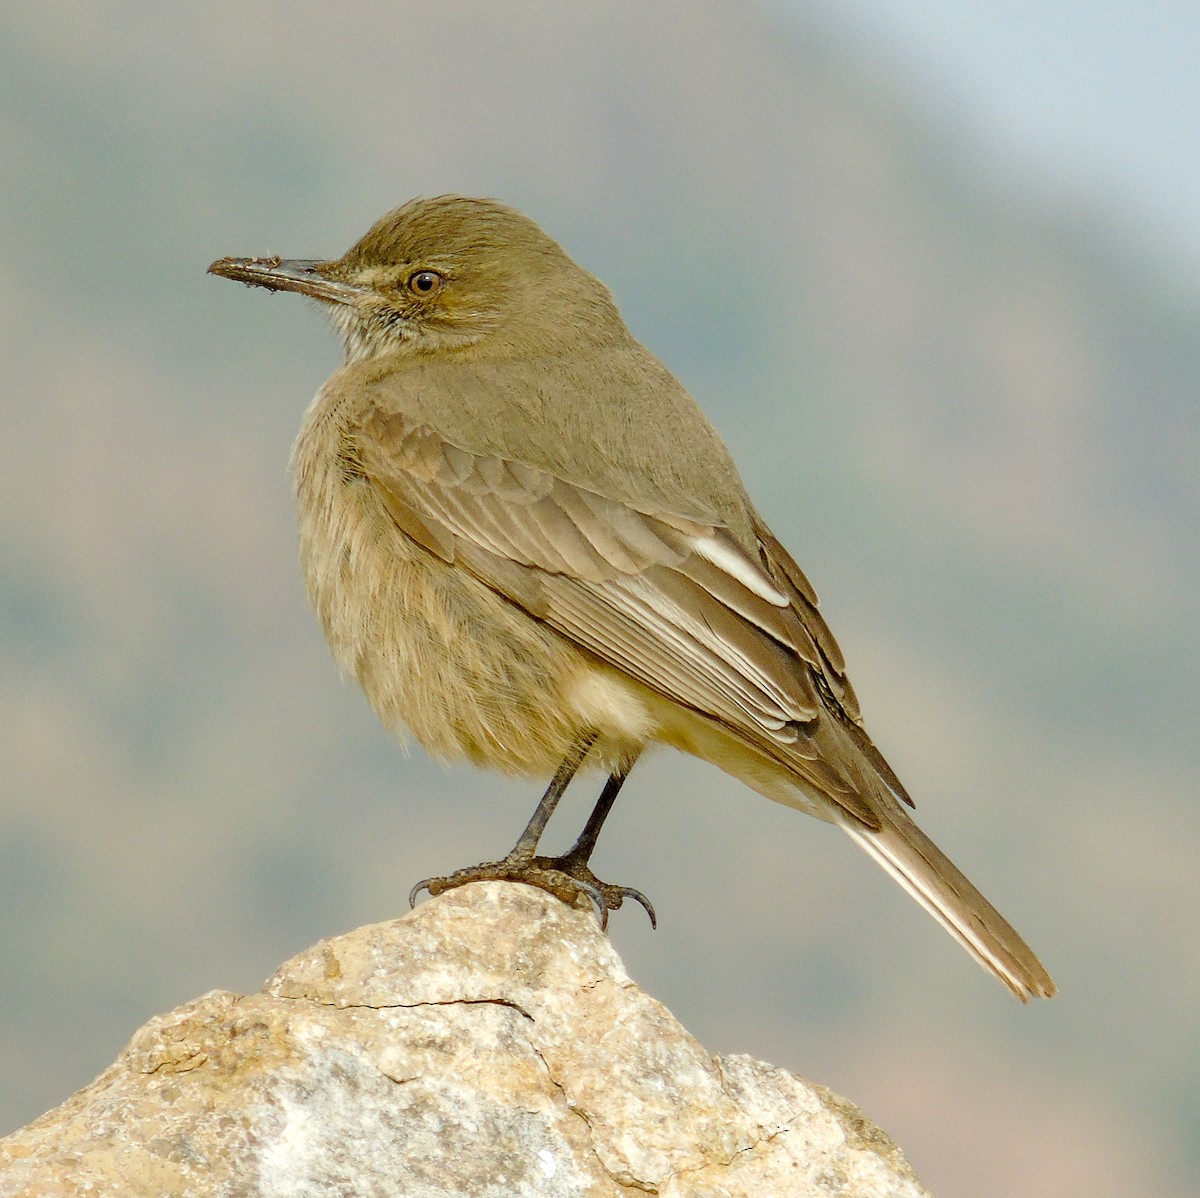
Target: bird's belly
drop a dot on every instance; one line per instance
(442, 656)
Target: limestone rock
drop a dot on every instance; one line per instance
(488, 1045)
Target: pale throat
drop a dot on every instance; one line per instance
(383, 331)
(363, 339)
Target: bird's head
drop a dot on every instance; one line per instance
(451, 273)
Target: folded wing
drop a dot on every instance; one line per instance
(674, 601)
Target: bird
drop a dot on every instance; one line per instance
(532, 549)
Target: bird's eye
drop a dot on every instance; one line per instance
(424, 282)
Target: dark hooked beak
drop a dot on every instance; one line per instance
(287, 274)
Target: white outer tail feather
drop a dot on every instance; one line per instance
(966, 916)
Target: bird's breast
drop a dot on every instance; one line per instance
(438, 654)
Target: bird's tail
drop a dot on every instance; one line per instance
(942, 889)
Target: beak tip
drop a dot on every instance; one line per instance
(285, 274)
(227, 267)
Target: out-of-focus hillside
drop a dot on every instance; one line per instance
(975, 424)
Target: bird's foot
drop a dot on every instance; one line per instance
(565, 877)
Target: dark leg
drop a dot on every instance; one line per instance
(583, 848)
(574, 862)
(565, 877)
(528, 841)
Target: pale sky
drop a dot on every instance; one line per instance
(1102, 96)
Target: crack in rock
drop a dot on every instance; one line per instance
(410, 1006)
(626, 1180)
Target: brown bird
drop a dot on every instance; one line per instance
(531, 548)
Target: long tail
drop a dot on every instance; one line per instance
(942, 889)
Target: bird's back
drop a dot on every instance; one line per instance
(611, 419)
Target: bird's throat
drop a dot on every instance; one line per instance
(370, 337)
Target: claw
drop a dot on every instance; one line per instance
(647, 905)
(563, 877)
(598, 900)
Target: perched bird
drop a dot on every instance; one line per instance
(533, 551)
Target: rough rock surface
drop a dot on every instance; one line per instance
(488, 1045)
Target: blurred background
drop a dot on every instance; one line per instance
(933, 271)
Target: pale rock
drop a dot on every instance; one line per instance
(488, 1045)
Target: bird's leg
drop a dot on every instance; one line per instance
(527, 843)
(521, 864)
(583, 848)
(566, 877)
(574, 862)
